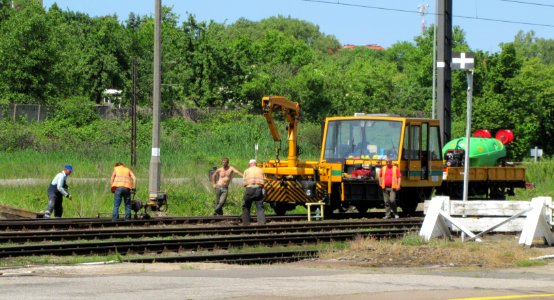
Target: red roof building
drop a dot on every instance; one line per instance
(370, 46)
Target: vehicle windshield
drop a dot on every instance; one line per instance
(362, 138)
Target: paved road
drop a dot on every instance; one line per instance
(293, 281)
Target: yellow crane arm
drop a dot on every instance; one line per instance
(291, 111)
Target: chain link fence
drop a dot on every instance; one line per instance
(39, 113)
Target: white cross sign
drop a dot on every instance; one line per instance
(462, 60)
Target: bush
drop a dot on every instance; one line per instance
(76, 112)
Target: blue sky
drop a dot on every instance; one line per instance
(485, 22)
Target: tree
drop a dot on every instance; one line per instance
(27, 56)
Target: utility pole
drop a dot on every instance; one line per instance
(155, 163)
(134, 116)
(434, 96)
(444, 76)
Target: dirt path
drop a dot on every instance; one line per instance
(42, 181)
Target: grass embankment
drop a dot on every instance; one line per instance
(37, 151)
(188, 152)
(410, 251)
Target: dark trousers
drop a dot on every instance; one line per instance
(389, 196)
(125, 194)
(220, 198)
(253, 195)
(55, 199)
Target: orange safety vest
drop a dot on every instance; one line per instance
(254, 176)
(122, 177)
(395, 184)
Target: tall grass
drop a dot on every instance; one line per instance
(188, 152)
(541, 175)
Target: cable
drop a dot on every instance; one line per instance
(529, 3)
(364, 6)
(417, 12)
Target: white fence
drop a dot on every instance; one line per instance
(533, 219)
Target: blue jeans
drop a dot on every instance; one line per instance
(55, 199)
(125, 193)
(220, 198)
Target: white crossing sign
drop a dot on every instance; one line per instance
(462, 60)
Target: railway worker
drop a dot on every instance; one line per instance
(254, 183)
(123, 182)
(221, 179)
(389, 179)
(56, 191)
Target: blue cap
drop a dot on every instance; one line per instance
(69, 167)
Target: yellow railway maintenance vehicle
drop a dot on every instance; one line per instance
(353, 150)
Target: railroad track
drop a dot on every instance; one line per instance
(86, 223)
(205, 238)
(136, 233)
(235, 258)
(158, 242)
(194, 244)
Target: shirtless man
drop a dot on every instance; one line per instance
(220, 180)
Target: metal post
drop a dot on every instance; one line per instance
(468, 132)
(444, 76)
(134, 116)
(434, 96)
(154, 174)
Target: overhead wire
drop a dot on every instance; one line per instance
(529, 3)
(417, 12)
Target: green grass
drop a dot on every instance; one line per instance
(530, 263)
(541, 174)
(188, 150)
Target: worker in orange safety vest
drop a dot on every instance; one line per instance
(254, 193)
(123, 182)
(389, 180)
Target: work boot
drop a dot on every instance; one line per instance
(387, 216)
(396, 216)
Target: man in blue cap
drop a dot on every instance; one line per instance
(56, 191)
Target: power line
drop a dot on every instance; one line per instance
(529, 3)
(364, 6)
(417, 12)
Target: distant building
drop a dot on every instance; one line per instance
(112, 97)
(369, 46)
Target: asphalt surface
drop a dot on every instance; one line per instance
(292, 281)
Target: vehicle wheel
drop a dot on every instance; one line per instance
(456, 192)
(408, 207)
(497, 193)
(408, 200)
(279, 208)
(362, 207)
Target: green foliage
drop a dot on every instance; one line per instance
(27, 56)
(188, 151)
(15, 136)
(55, 57)
(530, 263)
(412, 240)
(75, 112)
